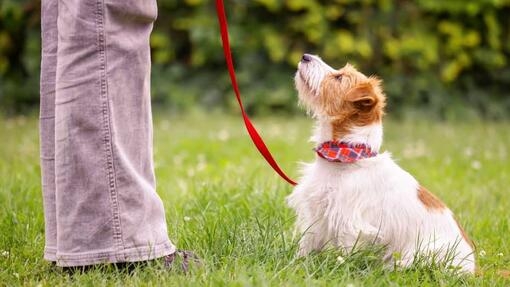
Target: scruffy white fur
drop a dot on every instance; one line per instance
(370, 201)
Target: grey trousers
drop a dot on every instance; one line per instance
(98, 181)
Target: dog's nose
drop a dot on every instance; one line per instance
(306, 58)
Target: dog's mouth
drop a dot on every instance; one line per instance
(306, 82)
(300, 73)
(311, 71)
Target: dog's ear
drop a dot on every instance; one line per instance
(366, 96)
(363, 97)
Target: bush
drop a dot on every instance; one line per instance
(19, 54)
(443, 56)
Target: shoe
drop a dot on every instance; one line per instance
(185, 255)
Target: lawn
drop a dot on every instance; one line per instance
(225, 203)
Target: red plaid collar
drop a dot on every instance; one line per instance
(334, 151)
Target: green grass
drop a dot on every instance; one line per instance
(224, 202)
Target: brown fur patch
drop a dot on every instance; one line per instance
(464, 235)
(354, 100)
(431, 202)
(504, 273)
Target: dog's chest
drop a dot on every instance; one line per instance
(365, 190)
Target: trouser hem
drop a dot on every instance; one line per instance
(50, 254)
(127, 255)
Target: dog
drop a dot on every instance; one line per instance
(352, 195)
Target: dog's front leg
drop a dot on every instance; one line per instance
(358, 234)
(314, 237)
(311, 223)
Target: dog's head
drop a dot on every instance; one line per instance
(345, 97)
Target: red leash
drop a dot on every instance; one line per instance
(257, 140)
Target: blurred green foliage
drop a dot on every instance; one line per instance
(19, 54)
(447, 57)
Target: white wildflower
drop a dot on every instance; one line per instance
(223, 135)
(201, 166)
(468, 151)
(476, 165)
(482, 253)
(187, 218)
(415, 150)
(340, 259)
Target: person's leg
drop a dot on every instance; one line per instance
(47, 122)
(107, 208)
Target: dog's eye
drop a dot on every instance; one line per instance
(338, 77)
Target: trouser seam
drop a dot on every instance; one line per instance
(47, 117)
(107, 129)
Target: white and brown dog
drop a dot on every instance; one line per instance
(353, 195)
